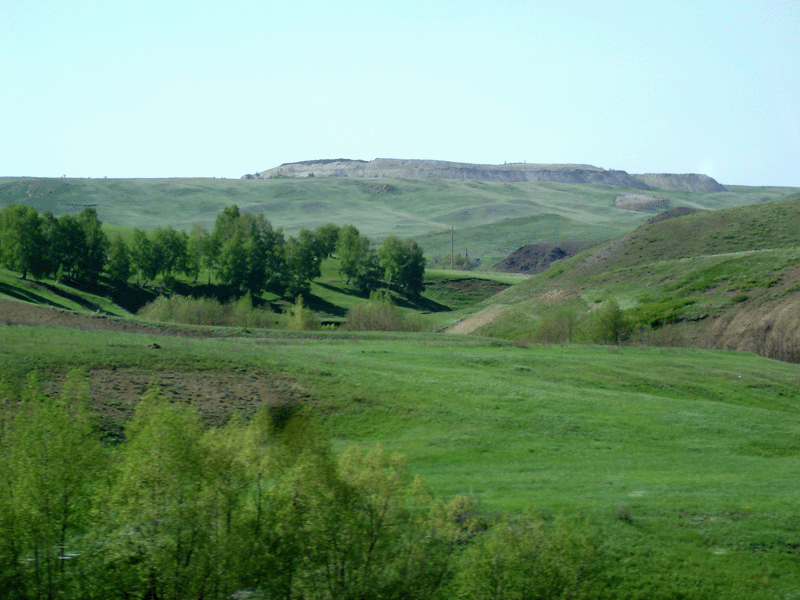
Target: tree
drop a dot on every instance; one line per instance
(358, 263)
(22, 241)
(251, 254)
(92, 262)
(53, 459)
(351, 249)
(155, 510)
(119, 267)
(304, 256)
(143, 257)
(169, 249)
(327, 235)
(404, 264)
(67, 243)
(198, 253)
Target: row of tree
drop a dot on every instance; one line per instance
(243, 250)
(252, 510)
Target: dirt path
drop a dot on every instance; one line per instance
(470, 324)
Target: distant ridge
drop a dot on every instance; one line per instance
(392, 168)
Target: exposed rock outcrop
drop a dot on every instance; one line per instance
(392, 168)
(686, 182)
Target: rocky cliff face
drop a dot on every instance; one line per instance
(687, 182)
(390, 168)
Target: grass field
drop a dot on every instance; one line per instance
(684, 461)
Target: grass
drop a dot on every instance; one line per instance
(685, 269)
(669, 453)
(490, 220)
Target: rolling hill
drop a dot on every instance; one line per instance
(489, 220)
(725, 279)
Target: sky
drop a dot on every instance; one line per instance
(169, 88)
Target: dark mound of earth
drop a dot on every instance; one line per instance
(535, 258)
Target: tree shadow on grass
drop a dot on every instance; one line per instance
(423, 304)
(319, 305)
(339, 290)
(28, 296)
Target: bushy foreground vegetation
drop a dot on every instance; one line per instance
(208, 311)
(260, 510)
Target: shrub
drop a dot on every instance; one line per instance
(300, 317)
(207, 311)
(609, 325)
(381, 314)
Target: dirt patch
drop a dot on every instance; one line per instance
(216, 395)
(13, 312)
(470, 324)
(535, 258)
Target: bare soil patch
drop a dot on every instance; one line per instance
(470, 324)
(216, 395)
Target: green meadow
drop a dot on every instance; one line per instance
(681, 462)
(684, 462)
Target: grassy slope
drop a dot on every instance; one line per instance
(685, 461)
(718, 261)
(491, 220)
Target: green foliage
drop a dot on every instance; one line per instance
(527, 559)
(208, 311)
(403, 263)
(300, 317)
(304, 255)
(380, 314)
(609, 325)
(119, 267)
(92, 261)
(22, 241)
(50, 458)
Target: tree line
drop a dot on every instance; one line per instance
(258, 509)
(243, 251)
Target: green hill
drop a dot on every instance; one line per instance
(490, 220)
(723, 279)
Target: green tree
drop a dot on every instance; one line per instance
(67, 244)
(198, 252)
(22, 241)
(304, 257)
(92, 262)
(251, 255)
(119, 267)
(143, 257)
(52, 459)
(403, 263)
(328, 236)
(156, 529)
(351, 249)
(169, 249)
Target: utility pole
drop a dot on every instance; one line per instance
(452, 247)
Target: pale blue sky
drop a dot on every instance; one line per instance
(219, 89)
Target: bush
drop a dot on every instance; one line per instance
(609, 325)
(207, 311)
(527, 559)
(381, 314)
(300, 317)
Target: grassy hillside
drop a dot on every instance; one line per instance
(698, 271)
(683, 462)
(490, 220)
